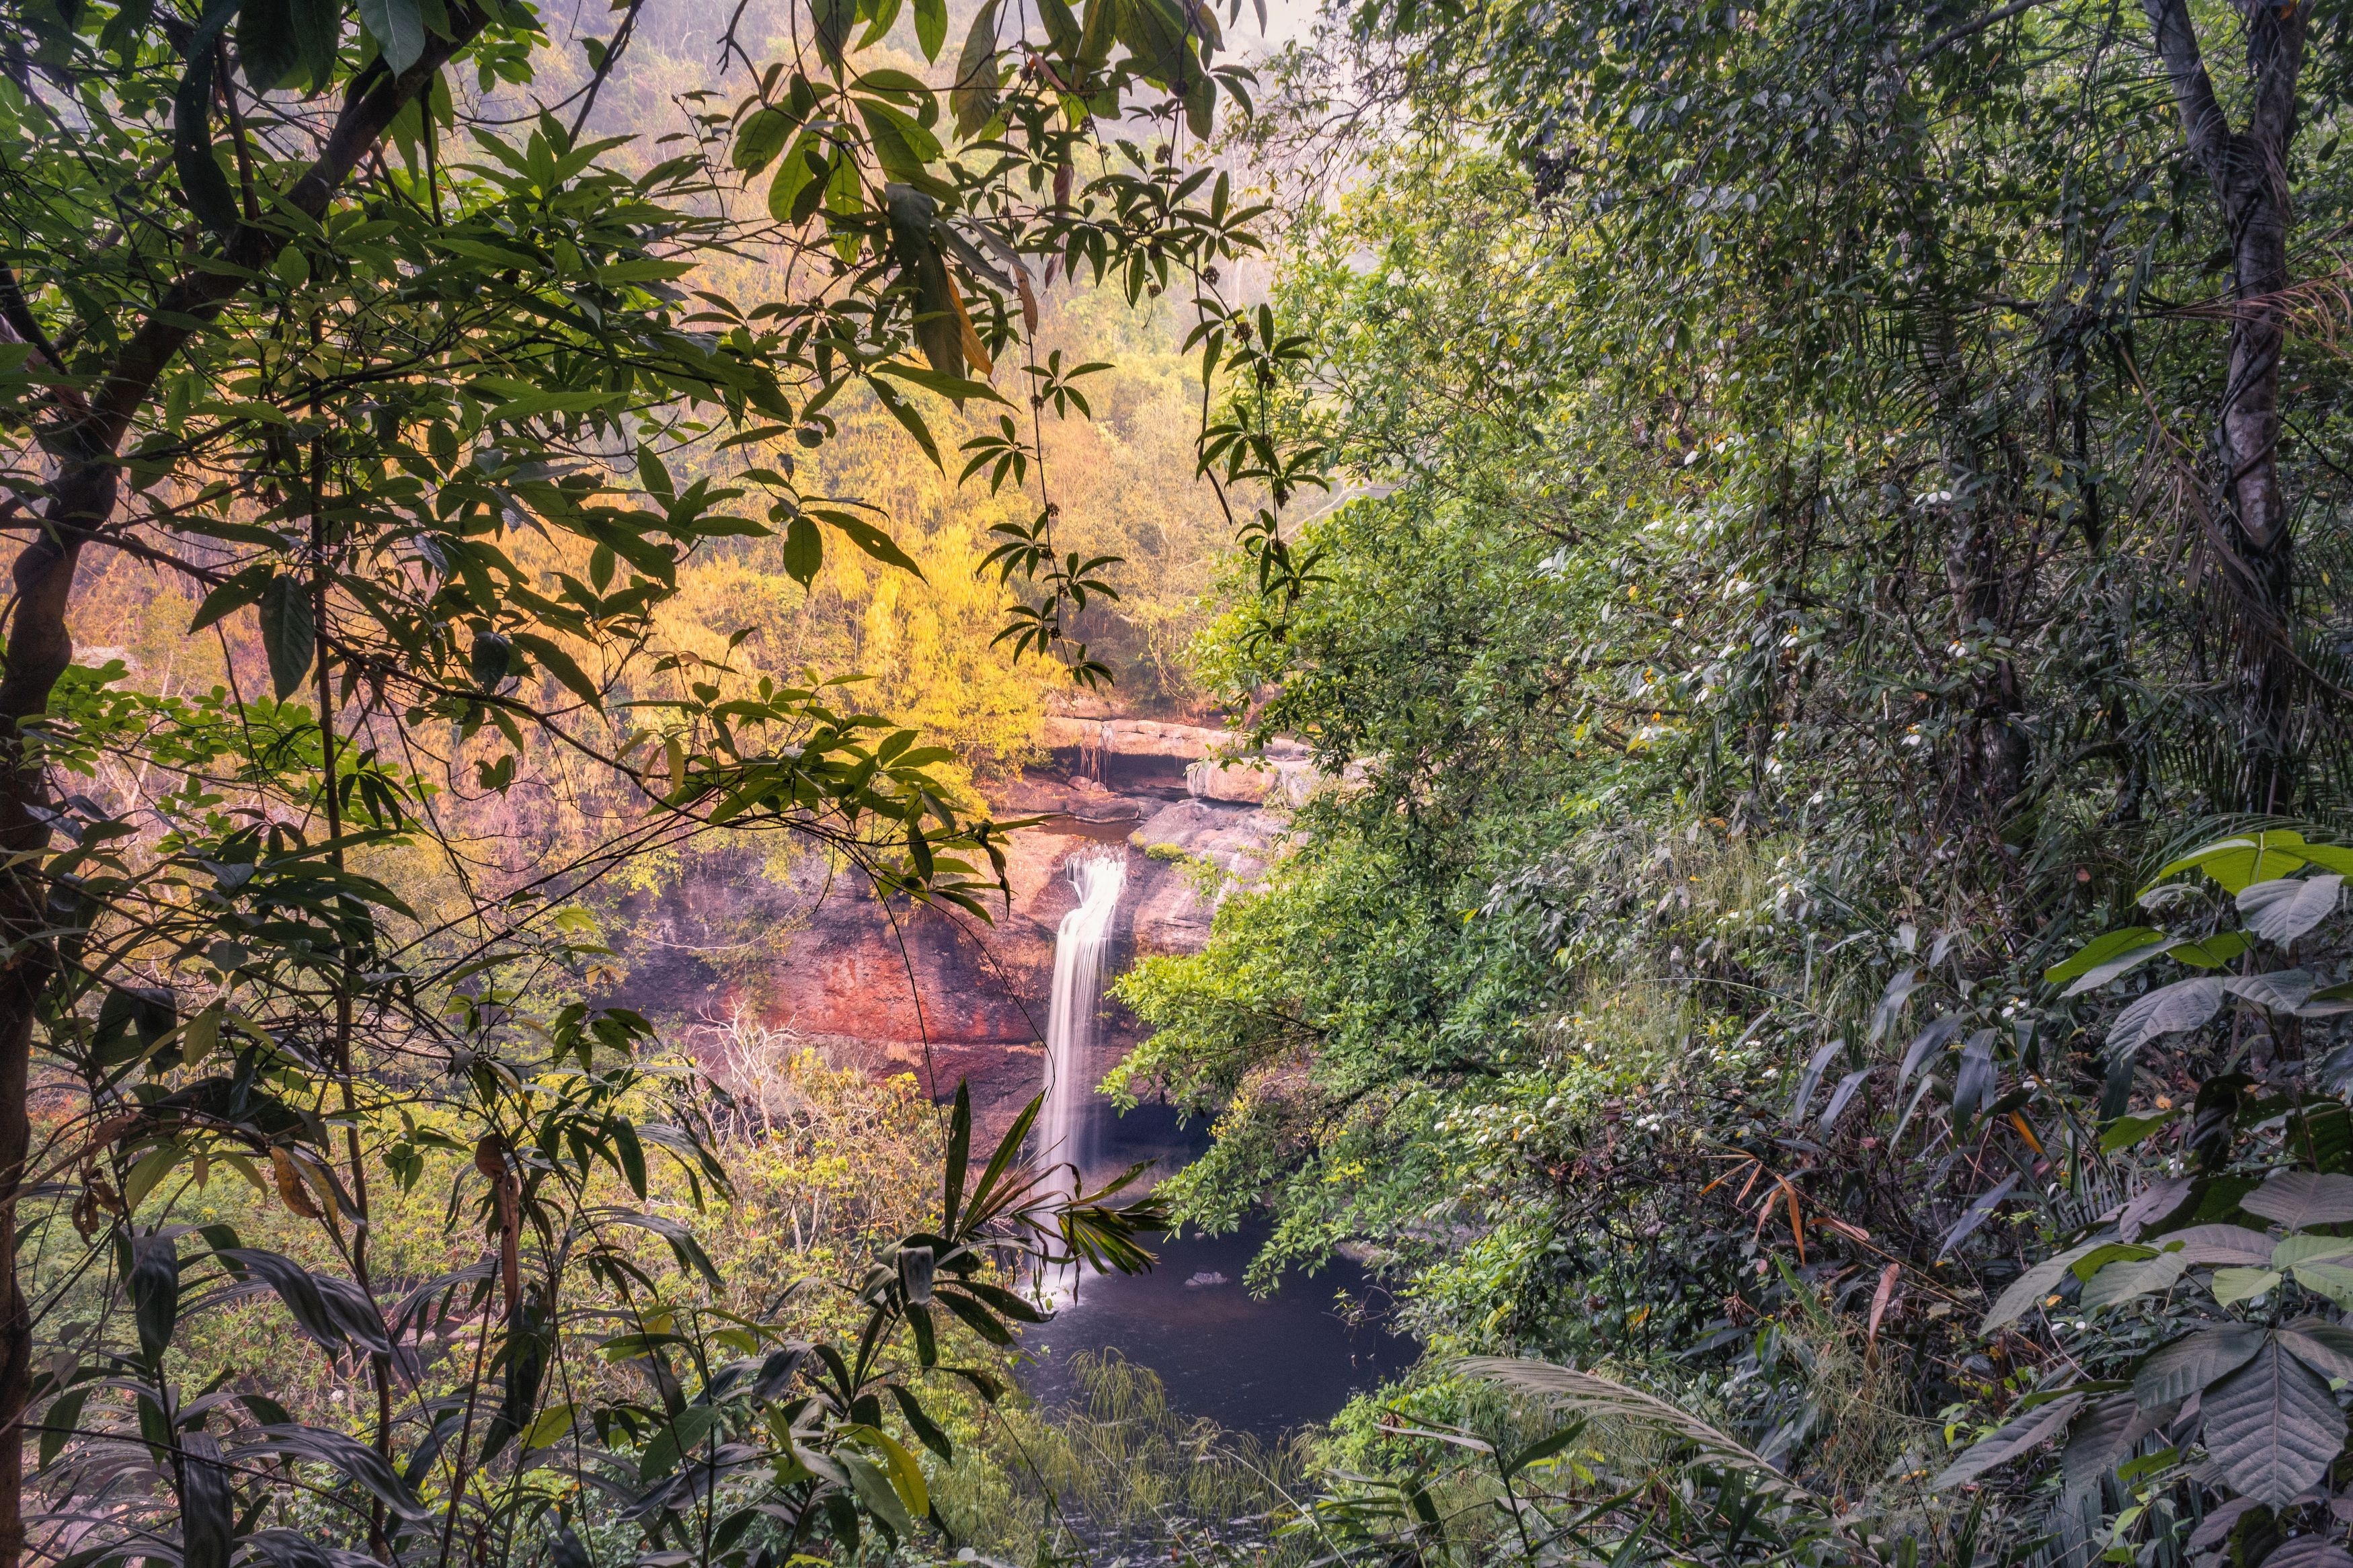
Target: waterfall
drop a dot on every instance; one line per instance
(1066, 1122)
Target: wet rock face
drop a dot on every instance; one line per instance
(910, 989)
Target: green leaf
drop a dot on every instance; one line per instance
(533, 404)
(677, 1440)
(802, 173)
(2301, 1199)
(2107, 956)
(831, 20)
(957, 387)
(154, 1286)
(931, 27)
(2127, 1279)
(2212, 952)
(873, 541)
(2126, 1131)
(2272, 1427)
(244, 588)
(554, 1422)
(492, 657)
(2284, 909)
(203, 185)
(2237, 862)
(876, 1492)
(901, 146)
(2031, 1431)
(2172, 1009)
(804, 549)
(973, 100)
(268, 50)
(289, 634)
(2232, 1286)
(318, 36)
(398, 28)
(2173, 1372)
(560, 664)
(760, 138)
(59, 1423)
(2334, 1280)
(909, 419)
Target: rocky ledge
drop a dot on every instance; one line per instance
(908, 989)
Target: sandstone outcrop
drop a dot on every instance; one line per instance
(902, 988)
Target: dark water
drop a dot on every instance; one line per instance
(1262, 1366)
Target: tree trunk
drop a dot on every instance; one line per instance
(39, 646)
(2248, 171)
(1997, 749)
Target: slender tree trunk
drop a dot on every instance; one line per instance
(1998, 748)
(38, 649)
(2248, 171)
(39, 646)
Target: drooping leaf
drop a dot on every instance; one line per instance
(2286, 909)
(874, 1490)
(203, 185)
(2173, 1372)
(1588, 1394)
(154, 1286)
(1981, 1210)
(268, 50)
(2168, 1010)
(325, 1446)
(207, 1503)
(1926, 1043)
(760, 138)
(2028, 1431)
(289, 634)
(2271, 1426)
(2149, 1209)
(973, 99)
(2301, 1199)
(682, 1437)
(1975, 1080)
(2279, 991)
(2099, 1441)
(2127, 947)
(398, 28)
(931, 27)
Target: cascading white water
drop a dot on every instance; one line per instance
(1081, 944)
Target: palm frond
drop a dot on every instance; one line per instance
(1596, 1397)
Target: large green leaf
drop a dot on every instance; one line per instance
(2103, 958)
(288, 634)
(2238, 861)
(203, 185)
(2301, 1199)
(2286, 909)
(267, 49)
(2028, 1431)
(760, 138)
(398, 28)
(2173, 1372)
(2172, 1009)
(973, 99)
(2271, 1426)
(675, 1441)
(2037, 1283)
